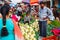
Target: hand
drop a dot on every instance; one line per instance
(46, 18)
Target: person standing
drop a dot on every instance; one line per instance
(6, 24)
(55, 13)
(9, 30)
(44, 14)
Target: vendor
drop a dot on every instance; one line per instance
(44, 14)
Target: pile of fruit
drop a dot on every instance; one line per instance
(30, 32)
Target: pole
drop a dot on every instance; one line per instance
(51, 3)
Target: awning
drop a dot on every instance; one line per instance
(34, 4)
(33, 1)
(26, 1)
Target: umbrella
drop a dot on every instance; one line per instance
(31, 2)
(34, 2)
(26, 1)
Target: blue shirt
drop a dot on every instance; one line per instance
(45, 12)
(10, 28)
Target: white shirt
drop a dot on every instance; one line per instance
(19, 9)
(27, 18)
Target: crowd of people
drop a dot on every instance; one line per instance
(16, 13)
(31, 10)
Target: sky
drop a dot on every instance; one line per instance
(16, 1)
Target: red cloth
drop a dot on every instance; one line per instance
(56, 31)
(17, 32)
(15, 18)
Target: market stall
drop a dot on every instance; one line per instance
(31, 31)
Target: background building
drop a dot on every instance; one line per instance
(50, 3)
(56, 3)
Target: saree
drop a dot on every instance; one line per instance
(17, 32)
